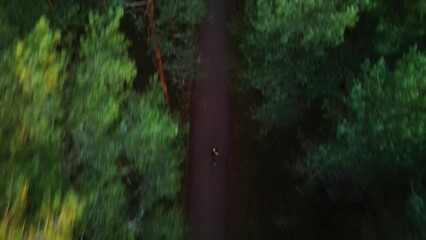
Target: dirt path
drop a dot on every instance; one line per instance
(210, 126)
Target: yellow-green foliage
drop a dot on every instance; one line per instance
(32, 81)
(84, 123)
(30, 137)
(30, 107)
(55, 222)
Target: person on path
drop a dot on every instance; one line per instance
(214, 154)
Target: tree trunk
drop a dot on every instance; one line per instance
(157, 50)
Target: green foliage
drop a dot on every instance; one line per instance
(56, 218)
(417, 215)
(165, 224)
(400, 25)
(176, 24)
(67, 117)
(95, 96)
(150, 139)
(103, 71)
(300, 55)
(6, 31)
(125, 145)
(31, 83)
(153, 152)
(312, 24)
(379, 146)
(17, 18)
(385, 130)
(282, 50)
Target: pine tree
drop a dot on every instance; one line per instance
(282, 48)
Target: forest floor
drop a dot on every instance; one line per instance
(211, 127)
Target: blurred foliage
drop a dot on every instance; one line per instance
(417, 215)
(177, 23)
(101, 74)
(165, 224)
(152, 146)
(31, 83)
(400, 25)
(17, 18)
(153, 154)
(96, 91)
(55, 220)
(73, 127)
(126, 146)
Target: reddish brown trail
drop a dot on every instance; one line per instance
(210, 126)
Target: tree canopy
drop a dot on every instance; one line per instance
(283, 46)
(81, 151)
(345, 79)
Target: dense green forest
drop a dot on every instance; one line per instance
(90, 148)
(336, 91)
(330, 113)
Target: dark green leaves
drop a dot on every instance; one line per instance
(386, 125)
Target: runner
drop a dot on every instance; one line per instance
(214, 155)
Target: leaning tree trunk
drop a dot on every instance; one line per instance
(157, 52)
